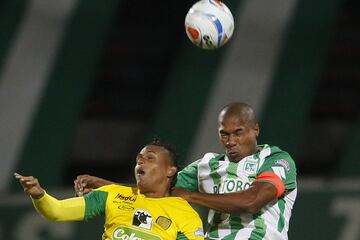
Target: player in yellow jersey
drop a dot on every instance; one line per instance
(143, 212)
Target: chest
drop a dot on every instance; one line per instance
(136, 217)
(224, 176)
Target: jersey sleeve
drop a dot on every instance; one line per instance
(280, 170)
(95, 203)
(52, 209)
(187, 178)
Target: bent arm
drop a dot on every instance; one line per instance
(247, 201)
(71, 209)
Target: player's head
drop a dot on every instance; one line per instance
(238, 130)
(156, 168)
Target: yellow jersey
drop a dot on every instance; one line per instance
(133, 216)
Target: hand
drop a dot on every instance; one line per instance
(83, 184)
(31, 186)
(181, 192)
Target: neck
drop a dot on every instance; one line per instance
(162, 190)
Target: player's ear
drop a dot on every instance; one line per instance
(257, 129)
(171, 171)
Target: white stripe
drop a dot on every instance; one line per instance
(248, 66)
(25, 73)
(263, 154)
(204, 170)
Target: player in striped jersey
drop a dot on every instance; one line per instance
(250, 189)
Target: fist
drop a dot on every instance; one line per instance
(31, 185)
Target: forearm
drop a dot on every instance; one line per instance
(72, 209)
(102, 182)
(247, 201)
(226, 203)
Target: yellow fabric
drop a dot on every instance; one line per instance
(162, 218)
(71, 209)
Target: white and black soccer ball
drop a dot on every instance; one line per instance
(209, 24)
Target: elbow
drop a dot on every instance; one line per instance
(251, 208)
(51, 217)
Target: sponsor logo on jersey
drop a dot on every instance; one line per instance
(231, 185)
(142, 219)
(283, 163)
(199, 232)
(163, 222)
(126, 207)
(250, 167)
(126, 233)
(131, 198)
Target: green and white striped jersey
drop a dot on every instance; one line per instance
(214, 173)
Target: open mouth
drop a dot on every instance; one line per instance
(140, 172)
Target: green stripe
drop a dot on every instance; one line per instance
(260, 228)
(281, 222)
(214, 165)
(299, 68)
(181, 236)
(213, 228)
(49, 141)
(11, 13)
(236, 225)
(232, 170)
(190, 81)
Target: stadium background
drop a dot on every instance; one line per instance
(84, 84)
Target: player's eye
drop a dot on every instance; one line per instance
(150, 156)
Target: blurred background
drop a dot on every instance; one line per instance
(85, 84)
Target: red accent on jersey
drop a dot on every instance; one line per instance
(274, 179)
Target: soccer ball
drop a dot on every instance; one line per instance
(209, 24)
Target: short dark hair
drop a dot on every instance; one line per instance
(172, 152)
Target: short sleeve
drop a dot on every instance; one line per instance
(187, 178)
(281, 164)
(95, 203)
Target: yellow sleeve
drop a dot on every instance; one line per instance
(193, 230)
(71, 209)
(191, 226)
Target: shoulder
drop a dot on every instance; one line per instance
(181, 206)
(117, 188)
(274, 152)
(210, 156)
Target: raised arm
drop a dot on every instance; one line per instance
(72, 209)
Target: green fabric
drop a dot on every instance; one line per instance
(213, 231)
(181, 236)
(95, 204)
(187, 178)
(279, 158)
(281, 223)
(214, 166)
(260, 228)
